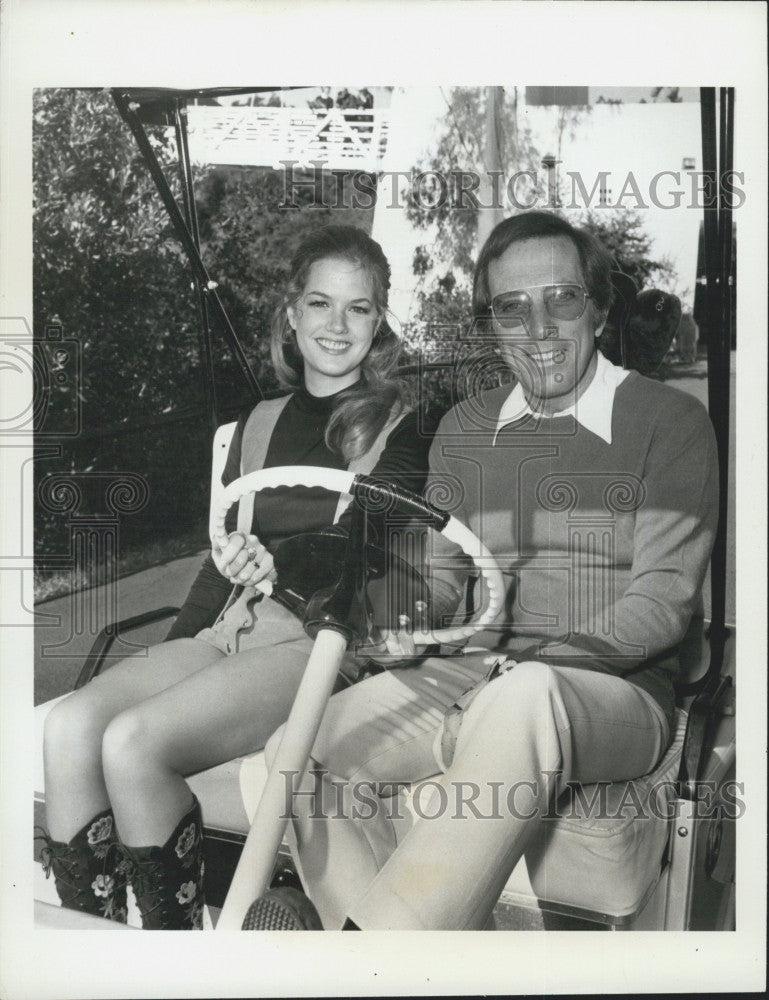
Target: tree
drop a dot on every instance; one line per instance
(622, 233)
(109, 269)
(444, 265)
(107, 266)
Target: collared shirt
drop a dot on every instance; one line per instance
(593, 409)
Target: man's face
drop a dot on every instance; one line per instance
(554, 359)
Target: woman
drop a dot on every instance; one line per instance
(117, 750)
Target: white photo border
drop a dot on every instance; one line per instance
(46, 43)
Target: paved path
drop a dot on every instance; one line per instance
(60, 650)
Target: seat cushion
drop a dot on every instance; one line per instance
(603, 851)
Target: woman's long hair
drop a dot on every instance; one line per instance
(361, 412)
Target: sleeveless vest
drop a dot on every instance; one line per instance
(257, 434)
(238, 615)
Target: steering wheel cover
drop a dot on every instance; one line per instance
(340, 481)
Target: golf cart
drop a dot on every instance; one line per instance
(671, 871)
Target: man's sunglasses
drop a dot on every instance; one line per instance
(510, 309)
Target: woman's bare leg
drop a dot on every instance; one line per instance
(74, 780)
(228, 708)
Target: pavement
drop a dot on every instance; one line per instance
(66, 627)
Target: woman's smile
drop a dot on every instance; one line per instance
(333, 346)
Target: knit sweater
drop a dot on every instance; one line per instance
(604, 546)
(299, 439)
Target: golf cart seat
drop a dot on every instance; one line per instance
(642, 854)
(624, 855)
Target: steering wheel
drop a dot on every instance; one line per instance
(379, 496)
(258, 855)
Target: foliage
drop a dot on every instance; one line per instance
(443, 268)
(673, 95)
(106, 264)
(109, 270)
(444, 265)
(622, 233)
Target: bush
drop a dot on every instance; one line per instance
(109, 270)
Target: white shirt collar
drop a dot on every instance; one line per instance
(593, 409)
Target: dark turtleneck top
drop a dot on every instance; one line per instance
(299, 439)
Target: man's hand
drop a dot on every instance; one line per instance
(397, 648)
(244, 560)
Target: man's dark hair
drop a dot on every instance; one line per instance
(595, 261)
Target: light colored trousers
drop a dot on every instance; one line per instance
(524, 736)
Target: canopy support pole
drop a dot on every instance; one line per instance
(123, 102)
(190, 211)
(717, 160)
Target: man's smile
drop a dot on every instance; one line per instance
(545, 357)
(556, 356)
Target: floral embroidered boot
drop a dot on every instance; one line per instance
(168, 881)
(89, 871)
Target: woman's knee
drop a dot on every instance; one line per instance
(130, 742)
(74, 726)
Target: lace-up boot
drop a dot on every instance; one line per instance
(89, 871)
(168, 881)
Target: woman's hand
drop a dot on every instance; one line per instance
(244, 560)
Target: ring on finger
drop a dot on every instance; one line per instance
(251, 554)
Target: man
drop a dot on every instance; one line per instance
(595, 489)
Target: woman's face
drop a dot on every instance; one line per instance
(335, 319)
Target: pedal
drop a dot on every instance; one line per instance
(282, 909)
